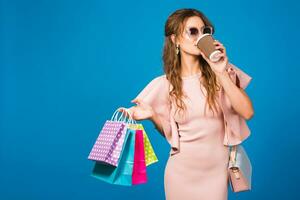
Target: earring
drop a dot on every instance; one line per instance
(177, 49)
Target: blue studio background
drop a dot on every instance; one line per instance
(67, 65)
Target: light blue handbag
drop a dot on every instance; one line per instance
(122, 174)
(240, 169)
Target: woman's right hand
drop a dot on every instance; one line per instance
(141, 111)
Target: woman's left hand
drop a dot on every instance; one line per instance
(219, 66)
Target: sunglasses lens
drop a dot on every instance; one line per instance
(207, 29)
(194, 31)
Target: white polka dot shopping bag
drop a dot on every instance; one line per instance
(109, 144)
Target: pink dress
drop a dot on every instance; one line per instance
(197, 165)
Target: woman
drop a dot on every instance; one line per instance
(200, 107)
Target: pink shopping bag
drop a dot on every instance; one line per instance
(139, 173)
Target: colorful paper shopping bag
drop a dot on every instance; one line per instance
(122, 174)
(150, 155)
(109, 143)
(139, 174)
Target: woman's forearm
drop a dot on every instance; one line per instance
(237, 96)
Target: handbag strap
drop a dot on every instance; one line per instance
(233, 148)
(233, 151)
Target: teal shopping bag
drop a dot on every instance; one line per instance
(122, 174)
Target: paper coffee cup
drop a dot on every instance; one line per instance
(206, 44)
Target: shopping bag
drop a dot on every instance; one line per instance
(109, 143)
(139, 174)
(122, 174)
(150, 156)
(240, 169)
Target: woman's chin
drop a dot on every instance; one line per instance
(196, 54)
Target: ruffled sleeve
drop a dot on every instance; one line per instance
(236, 128)
(240, 78)
(156, 94)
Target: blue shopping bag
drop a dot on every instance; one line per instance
(122, 174)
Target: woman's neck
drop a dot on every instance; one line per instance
(190, 65)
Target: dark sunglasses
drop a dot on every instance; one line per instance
(193, 32)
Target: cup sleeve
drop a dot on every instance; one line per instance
(155, 94)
